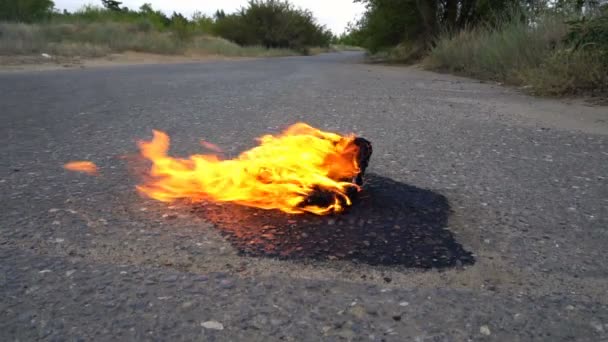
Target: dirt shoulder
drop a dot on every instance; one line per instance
(40, 62)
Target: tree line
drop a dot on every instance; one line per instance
(269, 23)
(387, 23)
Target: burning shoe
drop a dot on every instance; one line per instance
(302, 170)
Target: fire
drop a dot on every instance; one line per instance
(283, 172)
(82, 166)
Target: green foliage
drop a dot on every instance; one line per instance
(101, 38)
(569, 73)
(387, 23)
(223, 47)
(25, 10)
(202, 23)
(112, 5)
(589, 33)
(497, 53)
(87, 40)
(269, 27)
(273, 24)
(552, 57)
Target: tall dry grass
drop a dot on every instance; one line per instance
(520, 53)
(94, 39)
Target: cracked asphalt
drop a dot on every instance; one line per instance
(86, 258)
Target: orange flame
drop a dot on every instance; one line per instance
(280, 173)
(82, 166)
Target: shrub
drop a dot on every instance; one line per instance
(25, 10)
(550, 56)
(569, 73)
(497, 53)
(273, 24)
(589, 33)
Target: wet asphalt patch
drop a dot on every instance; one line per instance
(391, 224)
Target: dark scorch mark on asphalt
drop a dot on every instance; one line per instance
(391, 224)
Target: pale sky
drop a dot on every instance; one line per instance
(334, 14)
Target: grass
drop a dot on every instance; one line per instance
(568, 73)
(344, 47)
(405, 52)
(219, 46)
(95, 39)
(497, 53)
(517, 53)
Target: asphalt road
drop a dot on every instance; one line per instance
(510, 193)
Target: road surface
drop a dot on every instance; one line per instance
(520, 183)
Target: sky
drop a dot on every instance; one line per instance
(335, 14)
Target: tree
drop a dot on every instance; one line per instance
(25, 10)
(220, 14)
(387, 23)
(273, 24)
(112, 5)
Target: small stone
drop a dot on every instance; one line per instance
(226, 284)
(598, 327)
(357, 311)
(170, 278)
(53, 210)
(187, 305)
(404, 304)
(69, 273)
(169, 216)
(59, 240)
(213, 325)
(486, 241)
(347, 334)
(569, 307)
(201, 277)
(485, 330)
(45, 271)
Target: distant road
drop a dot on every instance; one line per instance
(85, 258)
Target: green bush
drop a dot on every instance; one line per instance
(265, 28)
(569, 73)
(25, 10)
(498, 53)
(387, 23)
(589, 33)
(273, 24)
(101, 38)
(551, 56)
(222, 47)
